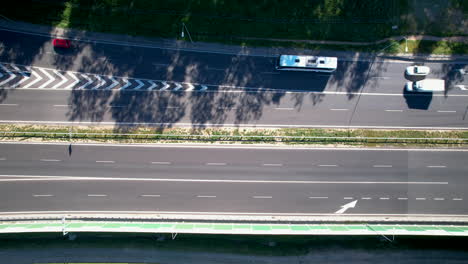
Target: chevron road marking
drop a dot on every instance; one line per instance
(86, 84)
(25, 77)
(101, 82)
(12, 76)
(178, 87)
(38, 78)
(128, 83)
(114, 83)
(203, 88)
(140, 84)
(191, 87)
(51, 79)
(153, 85)
(166, 86)
(64, 80)
(74, 83)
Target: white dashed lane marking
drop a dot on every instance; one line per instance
(97, 195)
(160, 162)
(105, 161)
(273, 164)
(382, 166)
(215, 164)
(262, 197)
(318, 197)
(436, 166)
(150, 195)
(206, 196)
(43, 195)
(50, 160)
(393, 110)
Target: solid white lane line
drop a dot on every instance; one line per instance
(43, 195)
(339, 109)
(382, 166)
(262, 197)
(391, 110)
(366, 198)
(87, 178)
(436, 166)
(53, 160)
(97, 195)
(420, 199)
(328, 165)
(402, 198)
(273, 164)
(318, 197)
(161, 162)
(105, 161)
(446, 111)
(150, 195)
(206, 196)
(8, 104)
(457, 199)
(384, 198)
(439, 199)
(215, 164)
(284, 108)
(348, 198)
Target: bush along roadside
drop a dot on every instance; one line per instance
(290, 136)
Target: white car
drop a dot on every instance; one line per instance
(418, 70)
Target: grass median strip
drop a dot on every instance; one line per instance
(290, 136)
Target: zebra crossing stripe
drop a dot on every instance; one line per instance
(153, 85)
(101, 82)
(38, 78)
(12, 76)
(64, 80)
(140, 84)
(114, 83)
(74, 83)
(128, 83)
(51, 79)
(166, 86)
(86, 84)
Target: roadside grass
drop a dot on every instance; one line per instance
(234, 22)
(280, 136)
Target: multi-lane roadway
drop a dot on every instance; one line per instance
(120, 83)
(231, 179)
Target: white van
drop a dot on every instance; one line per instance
(426, 85)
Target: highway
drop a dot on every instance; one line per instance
(144, 85)
(231, 179)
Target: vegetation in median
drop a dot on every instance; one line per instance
(301, 136)
(235, 22)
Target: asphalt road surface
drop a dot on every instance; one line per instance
(51, 177)
(136, 85)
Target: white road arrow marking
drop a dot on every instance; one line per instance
(166, 86)
(74, 83)
(140, 84)
(346, 207)
(153, 85)
(203, 88)
(38, 78)
(191, 87)
(64, 80)
(128, 83)
(114, 83)
(51, 79)
(12, 75)
(178, 87)
(25, 77)
(86, 84)
(101, 82)
(462, 87)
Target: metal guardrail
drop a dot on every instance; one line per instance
(253, 138)
(174, 228)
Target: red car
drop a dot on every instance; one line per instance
(61, 43)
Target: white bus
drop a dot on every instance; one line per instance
(306, 63)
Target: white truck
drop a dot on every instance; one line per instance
(426, 85)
